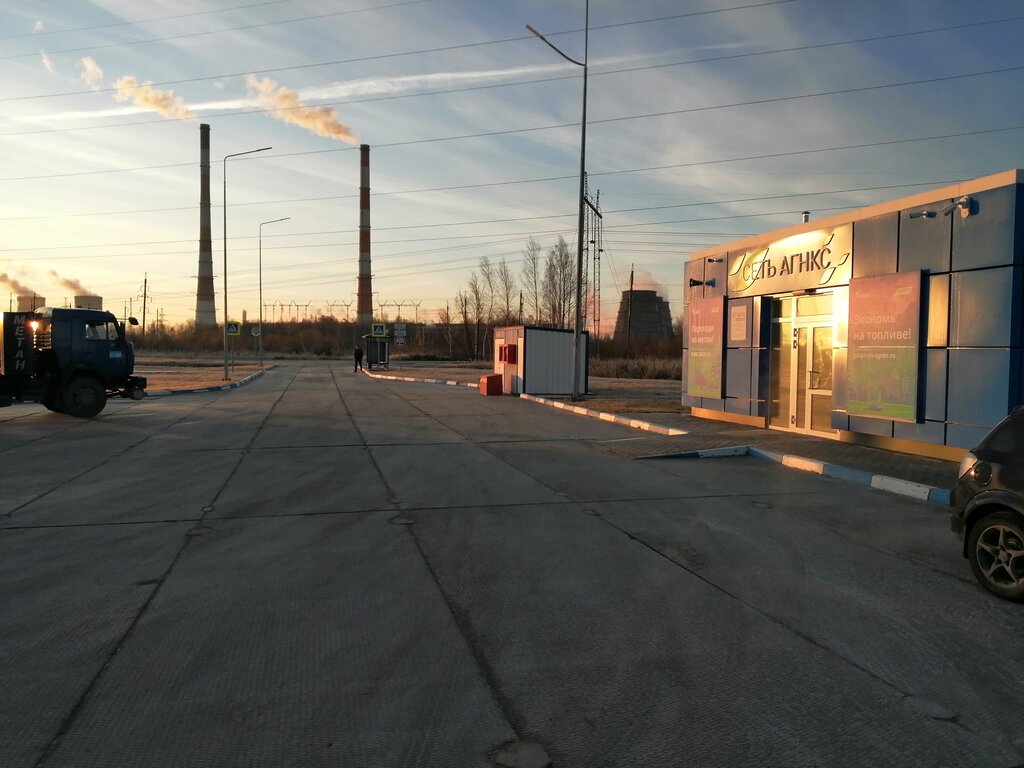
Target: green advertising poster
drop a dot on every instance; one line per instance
(884, 346)
(706, 326)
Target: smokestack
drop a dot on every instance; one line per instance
(364, 295)
(206, 311)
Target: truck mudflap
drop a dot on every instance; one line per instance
(134, 388)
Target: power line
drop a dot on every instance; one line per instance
(464, 89)
(487, 134)
(932, 183)
(142, 21)
(439, 49)
(189, 35)
(695, 163)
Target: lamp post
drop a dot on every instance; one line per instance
(578, 321)
(236, 154)
(259, 339)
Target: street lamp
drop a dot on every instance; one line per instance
(578, 322)
(259, 339)
(236, 154)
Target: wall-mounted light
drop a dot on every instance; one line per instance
(709, 283)
(922, 215)
(964, 204)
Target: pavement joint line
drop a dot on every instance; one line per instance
(232, 385)
(901, 487)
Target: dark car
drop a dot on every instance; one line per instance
(988, 508)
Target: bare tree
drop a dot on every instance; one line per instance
(558, 287)
(462, 309)
(506, 285)
(530, 277)
(477, 309)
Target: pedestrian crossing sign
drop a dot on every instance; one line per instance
(234, 329)
(378, 329)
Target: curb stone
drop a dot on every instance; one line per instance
(895, 485)
(232, 385)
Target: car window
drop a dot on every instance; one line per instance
(101, 331)
(1008, 436)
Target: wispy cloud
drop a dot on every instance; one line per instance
(286, 106)
(38, 26)
(145, 96)
(47, 62)
(92, 75)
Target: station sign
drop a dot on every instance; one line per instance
(399, 330)
(809, 260)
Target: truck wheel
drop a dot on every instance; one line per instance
(84, 398)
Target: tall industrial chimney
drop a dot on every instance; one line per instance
(364, 295)
(206, 311)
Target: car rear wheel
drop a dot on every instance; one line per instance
(84, 398)
(996, 552)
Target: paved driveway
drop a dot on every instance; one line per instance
(319, 569)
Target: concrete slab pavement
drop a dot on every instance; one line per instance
(903, 474)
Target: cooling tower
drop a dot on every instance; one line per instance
(89, 302)
(647, 316)
(30, 303)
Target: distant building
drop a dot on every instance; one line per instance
(647, 317)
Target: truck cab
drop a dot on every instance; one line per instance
(71, 360)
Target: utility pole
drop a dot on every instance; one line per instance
(629, 307)
(520, 307)
(145, 296)
(416, 310)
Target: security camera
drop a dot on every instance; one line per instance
(963, 203)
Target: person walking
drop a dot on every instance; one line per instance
(359, 360)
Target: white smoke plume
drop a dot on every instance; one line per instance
(92, 75)
(48, 64)
(644, 281)
(70, 284)
(145, 96)
(284, 105)
(38, 27)
(19, 289)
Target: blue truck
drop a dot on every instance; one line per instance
(70, 360)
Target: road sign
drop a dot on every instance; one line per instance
(256, 330)
(378, 329)
(400, 341)
(234, 329)
(399, 330)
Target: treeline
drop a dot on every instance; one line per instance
(543, 293)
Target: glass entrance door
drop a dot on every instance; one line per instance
(801, 365)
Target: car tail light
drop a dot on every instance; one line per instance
(967, 463)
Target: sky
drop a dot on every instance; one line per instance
(707, 120)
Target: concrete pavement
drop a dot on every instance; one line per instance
(320, 569)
